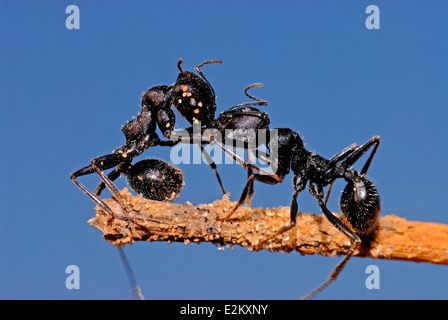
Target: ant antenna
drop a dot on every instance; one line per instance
(259, 102)
(207, 62)
(179, 63)
(198, 70)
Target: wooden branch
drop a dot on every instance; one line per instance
(255, 229)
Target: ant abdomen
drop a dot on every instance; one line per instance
(155, 179)
(360, 205)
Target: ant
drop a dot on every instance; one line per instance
(156, 112)
(360, 201)
(154, 179)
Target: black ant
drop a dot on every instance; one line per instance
(156, 112)
(154, 179)
(359, 202)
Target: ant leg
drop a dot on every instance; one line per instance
(263, 157)
(213, 166)
(250, 192)
(107, 182)
(344, 153)
(245, 164)
(109, 185)
(112, 176)
(117, 196)
(353, 157)
(103, 162)
(190, 139)
(299, 186)
(244, 194)
(335, 159)
(356, 241)
(328, 192)
(251, 158)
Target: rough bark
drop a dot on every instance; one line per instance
(255, 229)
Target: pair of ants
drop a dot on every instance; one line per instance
(193, 96)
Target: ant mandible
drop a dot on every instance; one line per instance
(359, 202)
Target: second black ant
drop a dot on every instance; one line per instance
(359, 202)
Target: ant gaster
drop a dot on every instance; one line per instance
(359, 202)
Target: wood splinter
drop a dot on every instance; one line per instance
(255, 228)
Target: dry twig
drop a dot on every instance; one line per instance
(255, 228)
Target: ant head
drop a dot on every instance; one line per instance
(156, 98)
(193, 96)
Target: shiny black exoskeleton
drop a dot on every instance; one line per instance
(193, 96)
(360, 204)
(155, 179)
(140, 132)
(360, 200)
(237, 126)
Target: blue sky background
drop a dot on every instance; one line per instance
(66, 93)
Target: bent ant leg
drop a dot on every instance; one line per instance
(351, 154)
(191, 140)
(354, 244)
(335, 159)
(103, 162)
(117, 196)
(262, 176)
(112, 176)
(246, 165)
(213, 166)
(359, 152)
(246, 191)
(299, 186)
